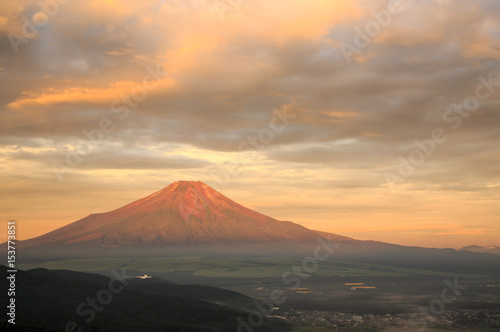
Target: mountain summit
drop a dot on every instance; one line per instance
(191, 219)
(185, 212)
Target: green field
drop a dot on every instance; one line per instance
(258, 267)
(332, 329)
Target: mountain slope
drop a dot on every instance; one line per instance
(489, 249)
(448, 260)
(49, 299)
(183, 212)
(191, 219)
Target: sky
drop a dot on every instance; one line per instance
(377, 120)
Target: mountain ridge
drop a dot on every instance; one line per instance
(52, 300)
(183, 212)
(492, 249)
(189, 218)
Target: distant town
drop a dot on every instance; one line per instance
(449, 319)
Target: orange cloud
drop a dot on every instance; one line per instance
(52, 96)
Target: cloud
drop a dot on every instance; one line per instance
(226, 77)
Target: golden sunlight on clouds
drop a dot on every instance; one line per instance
(320, 128)
(81, 94)
(283, 20)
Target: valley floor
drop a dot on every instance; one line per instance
(339, 296)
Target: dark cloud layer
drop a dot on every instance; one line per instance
(225, 79)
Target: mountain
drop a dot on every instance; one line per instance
(185, 218)
(191, 219)
(184, 212)
(489, 249)
(49, 300)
